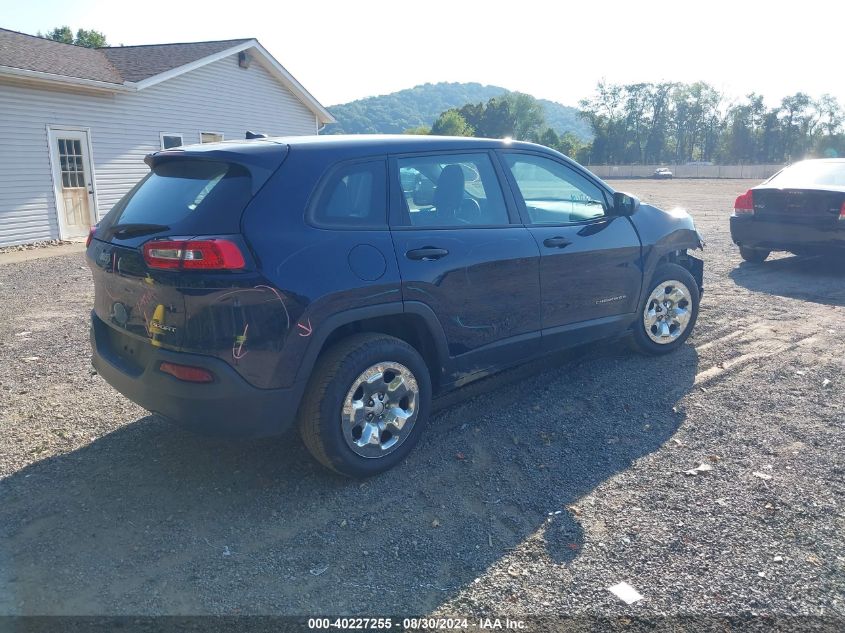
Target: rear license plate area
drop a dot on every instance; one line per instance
(128, 349)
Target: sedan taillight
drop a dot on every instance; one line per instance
(744, 204)
(842, 212)
(90, 237)
(211, 254)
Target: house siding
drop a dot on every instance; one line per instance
(124, 128)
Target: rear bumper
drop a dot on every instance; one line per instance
(229, 406)
(783, 236)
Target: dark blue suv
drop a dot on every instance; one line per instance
(341, 281)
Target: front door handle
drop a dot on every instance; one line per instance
(427, 254)
(557, 242)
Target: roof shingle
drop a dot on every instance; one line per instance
(117, 64)
(29, 52)
(136, 63)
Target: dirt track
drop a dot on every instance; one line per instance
(106, 509)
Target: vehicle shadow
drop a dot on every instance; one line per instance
(820, 279)
(152, 520)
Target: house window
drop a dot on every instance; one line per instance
(170, 139)
(70, 155)
(211, 137)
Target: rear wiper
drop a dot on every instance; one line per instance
(128, 229)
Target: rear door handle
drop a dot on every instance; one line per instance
(557, 242)
(426, 254)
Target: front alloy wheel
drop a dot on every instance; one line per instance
(667, 312)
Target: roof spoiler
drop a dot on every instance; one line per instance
(261, 160)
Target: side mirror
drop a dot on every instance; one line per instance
(625, 203)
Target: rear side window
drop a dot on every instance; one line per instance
(452, 190)
(354, 196)
(178, 191)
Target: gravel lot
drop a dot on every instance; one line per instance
(530, 493)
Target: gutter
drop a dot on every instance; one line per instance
(52, 78)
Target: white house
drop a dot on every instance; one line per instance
(76, 123)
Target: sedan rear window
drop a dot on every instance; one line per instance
(177, 191)
(811, 173)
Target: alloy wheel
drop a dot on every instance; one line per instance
(667, 312)
(380, 409)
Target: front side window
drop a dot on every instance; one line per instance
(451, 190)
(354, 196)
(554, 193)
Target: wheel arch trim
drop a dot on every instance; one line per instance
(333, 323)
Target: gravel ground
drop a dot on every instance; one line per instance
(531, 493)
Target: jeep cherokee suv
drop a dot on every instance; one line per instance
(339, 281)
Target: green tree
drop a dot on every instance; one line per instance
(571, 145)
(549, 138)
(796, 124)
(86, 38)
(422, 130)
(685, 122)
(90, 39)
(526, 116)
(451, 123)
(604, 113)
(514, 115)
(832, 115)
(420, 106)
(61, 34)
(567, 144)
(492, 120)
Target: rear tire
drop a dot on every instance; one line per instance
(366, 404)
(753, 255)
(669, 311)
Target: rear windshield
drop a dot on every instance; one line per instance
(811, 173)
(178, 192)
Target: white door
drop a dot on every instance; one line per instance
(72, 176)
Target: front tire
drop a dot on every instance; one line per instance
(753, 255)
(366, 404)
(668, 314)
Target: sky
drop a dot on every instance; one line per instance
(346, 50)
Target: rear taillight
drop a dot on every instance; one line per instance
(90, 237)
(744, 204)
(842, 212)
(212, 254)
(187, 372)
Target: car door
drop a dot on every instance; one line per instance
(590, 260)
(463, 252)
